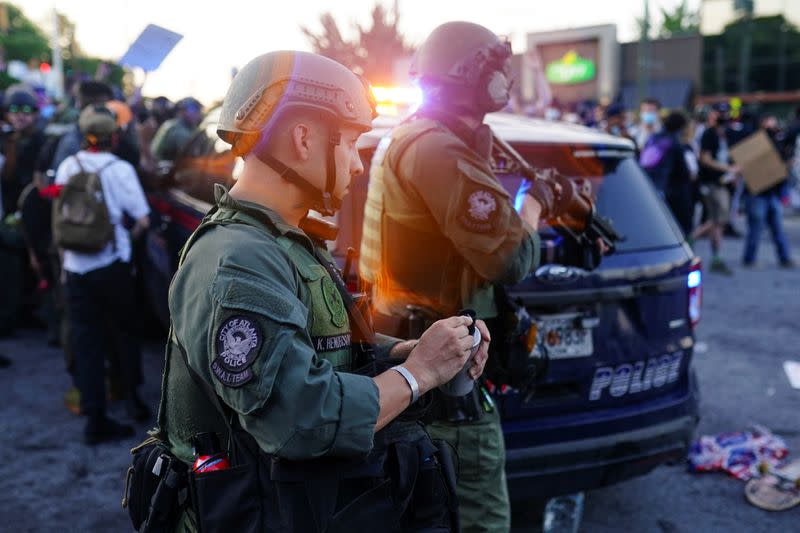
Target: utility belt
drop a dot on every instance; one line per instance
(160, 487)
(406, 483)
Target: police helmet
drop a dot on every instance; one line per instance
(276, 82)
(465, 57)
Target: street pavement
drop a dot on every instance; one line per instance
(50, 481)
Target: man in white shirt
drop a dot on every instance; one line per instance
(99, 287)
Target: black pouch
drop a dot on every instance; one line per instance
(227, 500)
(230, 499)
(154, 487)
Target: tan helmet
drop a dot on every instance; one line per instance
(468, 58)
(279, 81)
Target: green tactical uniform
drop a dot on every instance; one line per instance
(170, 138)
(261, 320)
(439, 232)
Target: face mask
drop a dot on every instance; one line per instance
(552, 114)
(649, 117)
(497, 91)
(615, 130)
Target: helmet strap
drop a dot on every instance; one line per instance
(325, 202)
(328, 200)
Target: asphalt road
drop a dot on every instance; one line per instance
(50, 481)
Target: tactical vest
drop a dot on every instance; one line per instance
(437, 280)
(403, 484)
(327, 325)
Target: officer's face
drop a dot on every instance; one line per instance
(348, 162)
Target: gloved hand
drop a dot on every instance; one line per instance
(562, 198)
(545, 193)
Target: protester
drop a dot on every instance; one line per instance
(92, 277)
(765, 209)
(649, 122)
(173, 134)
(664, 158)
(150, 117)
(614, 122)
(20, 143)
(716, 172)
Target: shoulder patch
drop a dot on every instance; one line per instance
(479, 211)
(238, 342)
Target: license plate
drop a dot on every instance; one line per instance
(562, 337)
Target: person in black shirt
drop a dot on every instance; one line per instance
(716, 172)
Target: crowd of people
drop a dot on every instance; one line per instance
(53, 278)
(42, 145)
(689, 160)
(257, 298)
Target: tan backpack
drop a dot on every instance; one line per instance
(81, 221)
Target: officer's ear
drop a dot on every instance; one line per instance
(301, 140)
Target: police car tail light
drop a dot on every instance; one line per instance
(396, 101)
(695, 284)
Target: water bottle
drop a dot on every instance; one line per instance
(563, 514)
(462, 383)
(209, 454)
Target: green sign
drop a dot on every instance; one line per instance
(570, 69)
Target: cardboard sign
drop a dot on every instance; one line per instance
(762, 166)
(150, 48)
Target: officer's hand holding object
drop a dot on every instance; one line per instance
(442, 351)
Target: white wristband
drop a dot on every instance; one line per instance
(412, 382)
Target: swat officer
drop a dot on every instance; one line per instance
(257, 313)
(440, 230)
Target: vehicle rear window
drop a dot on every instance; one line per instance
(623, 192)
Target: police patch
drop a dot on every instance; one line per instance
(238, 342)
(231, 379)
(333, 301)
(480, 211)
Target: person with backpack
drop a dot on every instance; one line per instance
(664, 159)
(98, 190)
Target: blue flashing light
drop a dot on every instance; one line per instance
(694, 279)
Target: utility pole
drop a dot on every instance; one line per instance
(643, 81)
(58, 64)
(782, 56)
(746, 7)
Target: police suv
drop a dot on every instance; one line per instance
(619, 396)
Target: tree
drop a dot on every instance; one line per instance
(373, 54)
(680, 21)
(20, 38)
(330, 42)
(775, 56)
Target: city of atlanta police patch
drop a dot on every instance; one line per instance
(238, 342)
(334, 302)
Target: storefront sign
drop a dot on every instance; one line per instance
(570, 69)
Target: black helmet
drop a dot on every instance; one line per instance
(463, 56)
(279, 81)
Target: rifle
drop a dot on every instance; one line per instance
(574, 212)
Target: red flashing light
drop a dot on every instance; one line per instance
(44, 68)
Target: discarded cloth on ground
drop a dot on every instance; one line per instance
(738, 453)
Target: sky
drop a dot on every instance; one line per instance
(220, 36)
